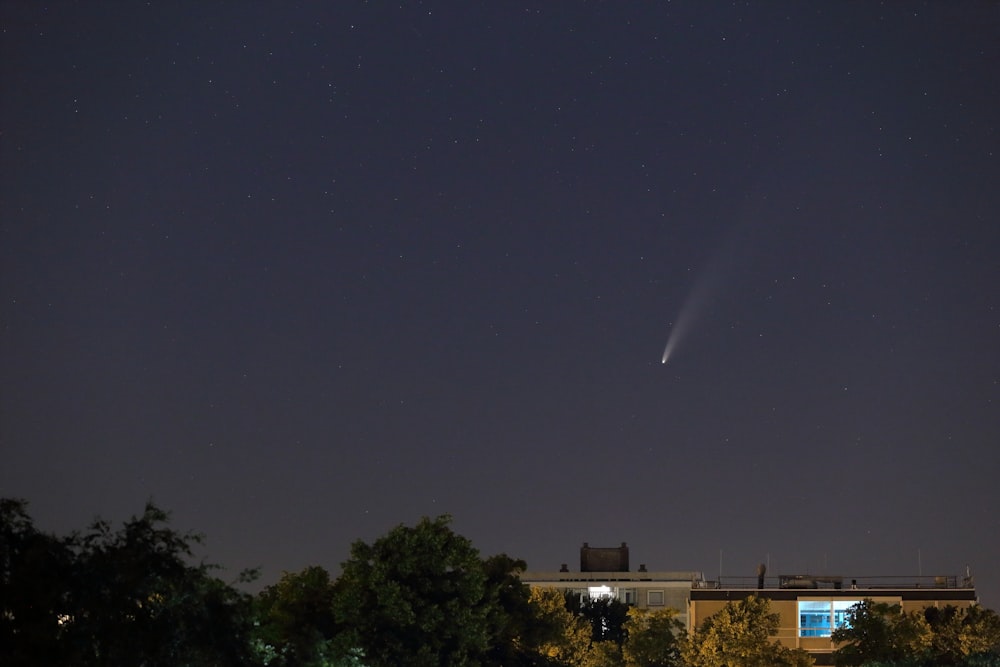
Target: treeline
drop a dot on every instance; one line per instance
(419, 595)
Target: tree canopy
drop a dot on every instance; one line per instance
(114, 597)
(740, 635)
(878, 633)
(881, 632)
(606, 616)
(564, 637)
(416, 596)
(654, 638)
(35, 591)
(295, 625)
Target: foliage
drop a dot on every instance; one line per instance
(739, 634)
(515, 637)
(604, 654)
(564, 637)
(606, 616)
(295, 622)
(961, 634)
(417, 596)
(107, 597)
(991, 659)
(654, 638)
(880, 632)
(139, 601)
(35, 571)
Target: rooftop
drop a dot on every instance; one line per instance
(695, 578)
(825, 581)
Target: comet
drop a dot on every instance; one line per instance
(688, 316)
(699, 301)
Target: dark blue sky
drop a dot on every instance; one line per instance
(304, 271)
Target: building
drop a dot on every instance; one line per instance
(604, 572)
(811, 607)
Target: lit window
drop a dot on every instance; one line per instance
(599, 592)
(819, 618)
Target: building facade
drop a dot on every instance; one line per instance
(604, 572)
(810, 608)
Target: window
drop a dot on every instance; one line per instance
(654, 598)
(596, 592)
(819, 618)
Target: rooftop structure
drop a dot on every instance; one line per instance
(642, 588)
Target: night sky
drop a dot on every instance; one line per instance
(300, 272)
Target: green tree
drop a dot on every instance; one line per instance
(35, 587)
(137, 599)
(114, 597)
(417, 596)
(959, 635)
(606, 616)
(654, 638)
(563, 637)
(740, 635)
(295, 621)
(515, 633)
(604, 654)
(878, 632)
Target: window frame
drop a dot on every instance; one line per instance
(833, 609)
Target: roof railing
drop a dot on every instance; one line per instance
(824, 581)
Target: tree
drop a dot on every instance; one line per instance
(295, 622)
(515, 634)
(654, 638)
(879, 632)
(959, 635)
(107, 597)
(739, 634)
(563, 637)
(35, 576)
(604, 654)
(417, 596)
(138, 600)
(606, 616)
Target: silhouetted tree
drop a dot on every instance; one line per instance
(295, 620)
(963, 636)
(605, 615)
(515, 633)
(877, 632)
(564, 637)
(653, 638)
(106, 597)
(417, 596)
(35, 589)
